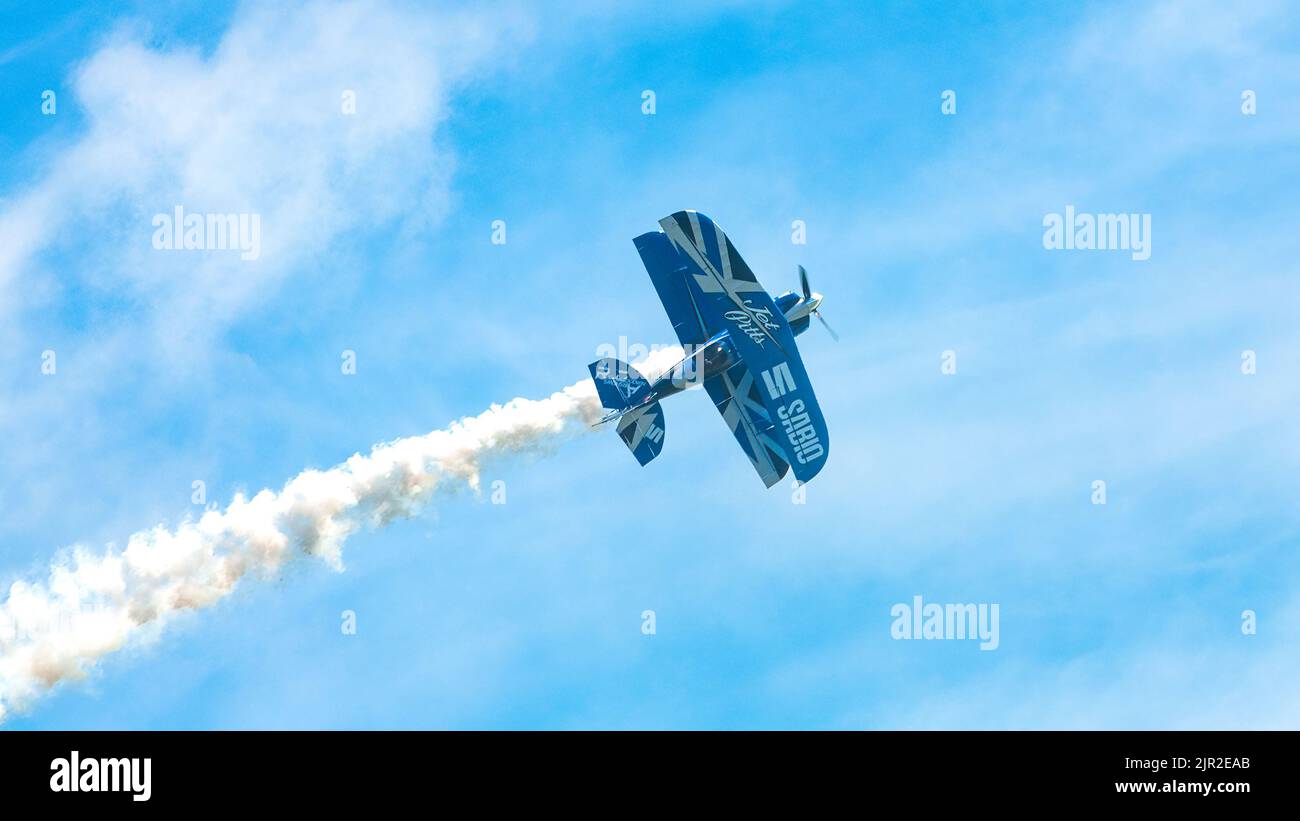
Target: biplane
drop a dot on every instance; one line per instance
(739, 345)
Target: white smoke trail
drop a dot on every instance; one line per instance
(94, 603)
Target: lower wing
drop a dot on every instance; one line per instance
(736, 396)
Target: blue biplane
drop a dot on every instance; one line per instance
(740, 346)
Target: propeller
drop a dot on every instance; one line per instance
(827, 326)
(807, 294)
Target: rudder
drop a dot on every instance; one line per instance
(620, 387)
(618, 384)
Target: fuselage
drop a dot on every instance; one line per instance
(719, 353)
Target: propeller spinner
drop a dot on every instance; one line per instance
(815, 300)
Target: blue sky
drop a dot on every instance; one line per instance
(924, 234)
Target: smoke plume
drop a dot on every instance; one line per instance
(94, 603)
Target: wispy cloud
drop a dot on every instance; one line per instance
(257, 126)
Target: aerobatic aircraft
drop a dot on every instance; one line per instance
(740, 346)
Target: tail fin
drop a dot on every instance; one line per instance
(621, 388)
(618, 384)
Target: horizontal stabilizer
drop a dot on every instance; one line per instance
(622, 388)
(642, 430)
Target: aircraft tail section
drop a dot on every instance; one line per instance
(618, 384)
(624, 390)
(642, 430)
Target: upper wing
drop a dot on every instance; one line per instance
(729, 297)
(668, 273)
(736, 397)
(724, 289)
